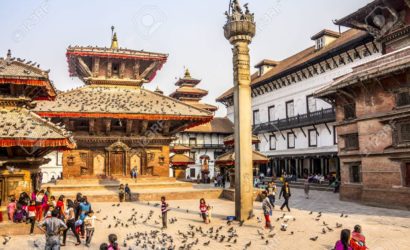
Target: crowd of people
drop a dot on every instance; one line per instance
(53, 217)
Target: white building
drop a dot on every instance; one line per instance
(205, 141)
(296, 130)
(53, 168)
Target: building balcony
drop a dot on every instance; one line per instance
(309, 119)
(200, 145)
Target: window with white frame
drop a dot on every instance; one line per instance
(291, 140)
(272, 142)
(312, 138)
(290, 109)
(311, 104)
(256, 118)
(320, 42)
(271, 113)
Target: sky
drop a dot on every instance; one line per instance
(190, 31)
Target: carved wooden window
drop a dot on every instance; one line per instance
(116, 69)
(403, 134)
(351, 141)
(355, 173)
(349, 111)
(403, 99)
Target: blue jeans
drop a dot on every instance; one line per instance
(53, 243)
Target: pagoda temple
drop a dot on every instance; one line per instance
(118, 125)
(188, 92)
(25, 137)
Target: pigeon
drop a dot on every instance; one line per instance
(207, 243)
(323, 231)
(248, 244)
(341, 215)
(338, 225)
(267, 242)
(311, 212)
(314, 238)
(241, 223)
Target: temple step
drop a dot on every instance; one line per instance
(80, 186)
(108, 180)
(153, 195)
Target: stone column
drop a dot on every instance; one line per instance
(239, 30)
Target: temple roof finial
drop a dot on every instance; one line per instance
(8, 54)
(187, 73)
(114, 40)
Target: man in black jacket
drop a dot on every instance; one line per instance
(285, 191)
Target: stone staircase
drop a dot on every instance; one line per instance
(300, 184)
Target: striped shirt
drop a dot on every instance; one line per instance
(164, 207)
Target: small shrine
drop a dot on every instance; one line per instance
(180, 161)
(226, 162)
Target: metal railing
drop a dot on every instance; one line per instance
(200, 145)
(308, 119)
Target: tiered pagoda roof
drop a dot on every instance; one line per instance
(19, 127)
(128, 102)
(114, 77)
(20, 83)
(189, 93)
(126, 66)
(18, 72)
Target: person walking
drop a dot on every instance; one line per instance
(285, 192)
(128, 192)
(164, 211)
(343, 243)
(267, 210)
(203, 208)
(306, 188)
(121, 193)
(85, 207)
(52, 228)
(271, 193)
(70, 222)
(39, 205)
(11, 209)
(32, 216)
(89, 223)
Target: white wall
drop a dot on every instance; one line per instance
(54, 167)
(298, 92)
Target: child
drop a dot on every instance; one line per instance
(164, 211)
(89, 222)
(112, 239)
(203, 208)
(32, 216)
(39, 205)
(121, 193)
(20, 214)
(11, 208)
(267, 210)
(128, 191)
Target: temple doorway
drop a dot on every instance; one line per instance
(117, 163)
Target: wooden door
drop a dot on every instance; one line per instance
(407, 175)
(117, 163)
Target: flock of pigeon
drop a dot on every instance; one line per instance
(215, 235)
(226, 235)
